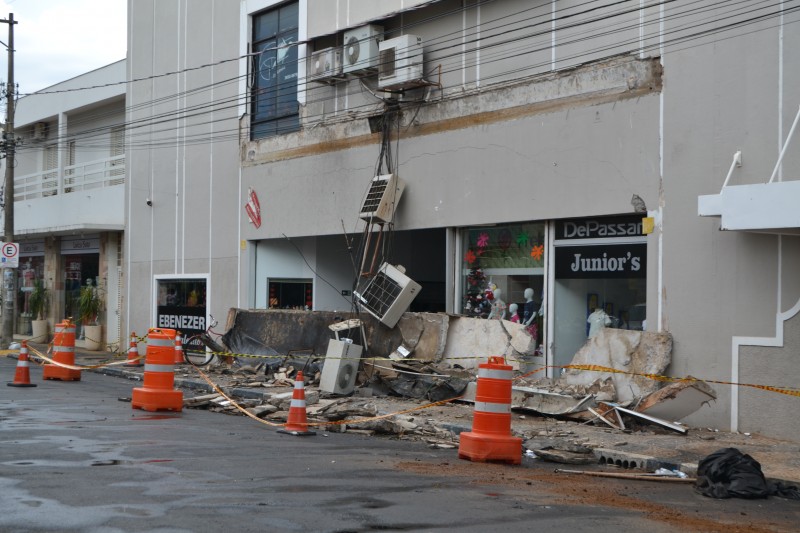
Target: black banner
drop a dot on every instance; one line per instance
(188, 320)
(610, 262)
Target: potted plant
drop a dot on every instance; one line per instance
(90, 303)
(39, 304)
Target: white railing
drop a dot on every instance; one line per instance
(91, 175)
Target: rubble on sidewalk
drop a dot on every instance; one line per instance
(434, 356)
(677, 400)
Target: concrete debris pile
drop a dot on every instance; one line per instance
(622, 392)
(435, 356)
(354, 415)
(415, 380)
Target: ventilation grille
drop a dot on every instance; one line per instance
(381, 199)
(374, 196)
(380, 294)
(388, 294)
(386, 67)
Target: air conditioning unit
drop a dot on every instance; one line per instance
(39, 132)
(388, 294)
(400, 63)
(382, 197)
(325, 64)
(360, 50)
(341, 366)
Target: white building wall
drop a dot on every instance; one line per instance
(184, 156)
(513, 153)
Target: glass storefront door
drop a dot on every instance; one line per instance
(182, 305)
(600, 280)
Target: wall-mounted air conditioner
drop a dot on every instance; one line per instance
(400, 63)
(382, 197)
(325, 64)
(388, 294)
(360, 50)
(39, 132)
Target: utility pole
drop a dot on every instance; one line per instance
(9, 274)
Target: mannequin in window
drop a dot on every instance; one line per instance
(28, 276)
(512, 310)
(498, 311)
(598, 320)
(530, 311)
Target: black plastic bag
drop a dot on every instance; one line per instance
(729, 473)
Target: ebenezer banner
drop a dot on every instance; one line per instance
(187, 320)
(613, 261)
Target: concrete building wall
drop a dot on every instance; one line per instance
(718, 286)
(184, 156)
(333, 15)
(566, 116)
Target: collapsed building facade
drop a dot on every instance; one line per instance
(555, 155)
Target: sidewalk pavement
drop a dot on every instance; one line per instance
(648, 448)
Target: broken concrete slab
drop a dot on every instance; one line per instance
(262, 411)
(553, 404)
(678, 400)
(470, 341)
(424, 334)
(289, 330)
(636, 352)
(519, 338)
(566, 457)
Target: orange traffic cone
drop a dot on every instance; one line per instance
(133, 352)
(157, 392)
(64, 353)
(490, 438)
(22, 377)
(297, 424)
(178, 349)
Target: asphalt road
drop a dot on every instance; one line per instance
(73, 457)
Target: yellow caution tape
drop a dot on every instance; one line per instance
(657, 377)
(40, 355)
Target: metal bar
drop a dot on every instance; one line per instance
(785, 146)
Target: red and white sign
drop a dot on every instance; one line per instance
(253, 208)
(10, 255)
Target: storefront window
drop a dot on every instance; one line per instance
(31, 270)
(181, 305)
(509, 259)
(78, 270)
(290, 294)
(600, 280)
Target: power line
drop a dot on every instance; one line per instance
(235, 101)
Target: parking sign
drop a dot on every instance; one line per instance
(10, 254)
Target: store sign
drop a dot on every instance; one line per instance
(599, 228)
(30, 249)
(614, 261)
(181, 318)
(188, 320)
(74, 245)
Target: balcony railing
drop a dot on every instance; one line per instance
(91, 175)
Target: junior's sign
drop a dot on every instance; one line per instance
(599, 228)
(615, 261)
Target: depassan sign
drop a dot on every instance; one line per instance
(614, 261)
(599, 228)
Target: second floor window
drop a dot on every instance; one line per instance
(274, 105)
